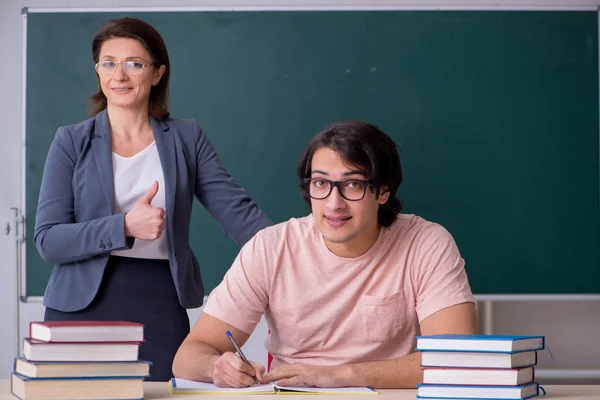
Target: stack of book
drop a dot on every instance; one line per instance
(478, 366)
(80, 360)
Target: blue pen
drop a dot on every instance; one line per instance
(240, 353)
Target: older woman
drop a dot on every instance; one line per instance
(116, 200)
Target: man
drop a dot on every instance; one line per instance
(344, 290)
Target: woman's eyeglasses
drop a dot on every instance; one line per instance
(130, 67)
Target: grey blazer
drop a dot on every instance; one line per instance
(75, 225)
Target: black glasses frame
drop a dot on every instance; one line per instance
(306, 186)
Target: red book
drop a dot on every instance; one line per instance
(478, 376)
(34, 350)
(86, 331)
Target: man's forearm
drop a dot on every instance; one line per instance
(399, 373)
(195, 361)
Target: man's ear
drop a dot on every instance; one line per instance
(384, 195)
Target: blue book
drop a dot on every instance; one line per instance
(480, 343)
(126, 388)
(476, 392)
(80, 369)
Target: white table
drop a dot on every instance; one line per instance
(160, 391)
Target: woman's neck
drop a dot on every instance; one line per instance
(128, 124)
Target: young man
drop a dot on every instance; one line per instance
(344, 290)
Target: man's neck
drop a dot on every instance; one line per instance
(357, 246)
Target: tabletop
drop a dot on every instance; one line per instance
(160, 391)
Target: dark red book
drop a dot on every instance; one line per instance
(478, 376)
(34, 350)
(86, 331)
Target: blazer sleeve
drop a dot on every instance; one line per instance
(58, 237)
(225, 200)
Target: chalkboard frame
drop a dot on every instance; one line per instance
(136, 10)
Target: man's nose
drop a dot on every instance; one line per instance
(335, 199)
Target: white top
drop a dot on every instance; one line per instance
(133, 178)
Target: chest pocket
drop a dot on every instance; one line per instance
(380, 319)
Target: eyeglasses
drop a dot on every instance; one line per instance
(130, 67)
(351, 189)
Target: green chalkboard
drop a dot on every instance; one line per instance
(496, 114)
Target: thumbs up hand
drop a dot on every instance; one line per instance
(149, 196)
(144, 221)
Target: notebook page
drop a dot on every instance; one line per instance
(337, 390)
(180, 385)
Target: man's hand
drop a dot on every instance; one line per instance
(292, 375)
(230, 371)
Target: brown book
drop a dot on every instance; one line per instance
(76, 388)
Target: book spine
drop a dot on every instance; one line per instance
(11, 387)
(537, 390)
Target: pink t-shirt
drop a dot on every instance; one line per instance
(323, 309)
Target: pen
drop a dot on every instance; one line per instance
(239, 351)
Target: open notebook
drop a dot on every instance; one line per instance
(180, 386)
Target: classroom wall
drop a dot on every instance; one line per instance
(571, 327)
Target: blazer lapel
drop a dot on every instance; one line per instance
(102, 146)
(165, 144)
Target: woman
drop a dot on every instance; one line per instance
(116, 200)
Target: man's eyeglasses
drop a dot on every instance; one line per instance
(130, 67)
(351, 189)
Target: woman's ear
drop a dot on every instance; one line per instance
(158, 73)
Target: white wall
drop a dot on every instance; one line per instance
(572, 328)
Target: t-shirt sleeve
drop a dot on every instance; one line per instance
(242, 297)
(439, 272)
